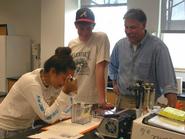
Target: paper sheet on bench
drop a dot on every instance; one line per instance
(167, 124)
(54, 135)
(67, 129)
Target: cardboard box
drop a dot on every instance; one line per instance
(143, 131)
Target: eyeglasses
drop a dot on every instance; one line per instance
(84, 26)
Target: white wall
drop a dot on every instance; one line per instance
(70, 32)
(52, 27)
(22, 16)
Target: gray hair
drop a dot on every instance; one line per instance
(137, 14)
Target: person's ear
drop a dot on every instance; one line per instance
(144, 24)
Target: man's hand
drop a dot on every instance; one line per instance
(70, 85)
(172, 99)
(116, 89)
(106, 106)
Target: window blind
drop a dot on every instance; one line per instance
(102, 3)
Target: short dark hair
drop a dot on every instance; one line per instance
(137, 14)
(61, 61)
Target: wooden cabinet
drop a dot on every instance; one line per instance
(10, 82)
(111, 97)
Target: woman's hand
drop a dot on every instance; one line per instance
(70, 85)
(172, 99)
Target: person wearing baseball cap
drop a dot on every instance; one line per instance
(90, 51)
(85, 22)
(85, 15)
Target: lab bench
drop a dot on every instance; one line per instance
(112, 97)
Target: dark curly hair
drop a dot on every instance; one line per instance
(61, 61)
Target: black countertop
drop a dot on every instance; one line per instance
(181, 96)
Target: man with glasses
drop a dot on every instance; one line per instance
(91, 54)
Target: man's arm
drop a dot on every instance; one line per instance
(101, 84)
(115, 87)
(100, 80)
(165, 75)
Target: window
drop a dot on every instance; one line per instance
(175, 43)
(89, 3)
(173, 30)
(173, 16)
(109, 17)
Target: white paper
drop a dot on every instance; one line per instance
(168, 124)
(55, 135)
(67, 127)
(67, 130)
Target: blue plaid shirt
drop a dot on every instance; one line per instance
(150, 62)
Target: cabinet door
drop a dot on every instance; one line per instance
(2, 64)
(2, 56)
(2, 85)
(111, 97)
(10, 83)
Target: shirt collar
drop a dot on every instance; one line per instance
(143, 40)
